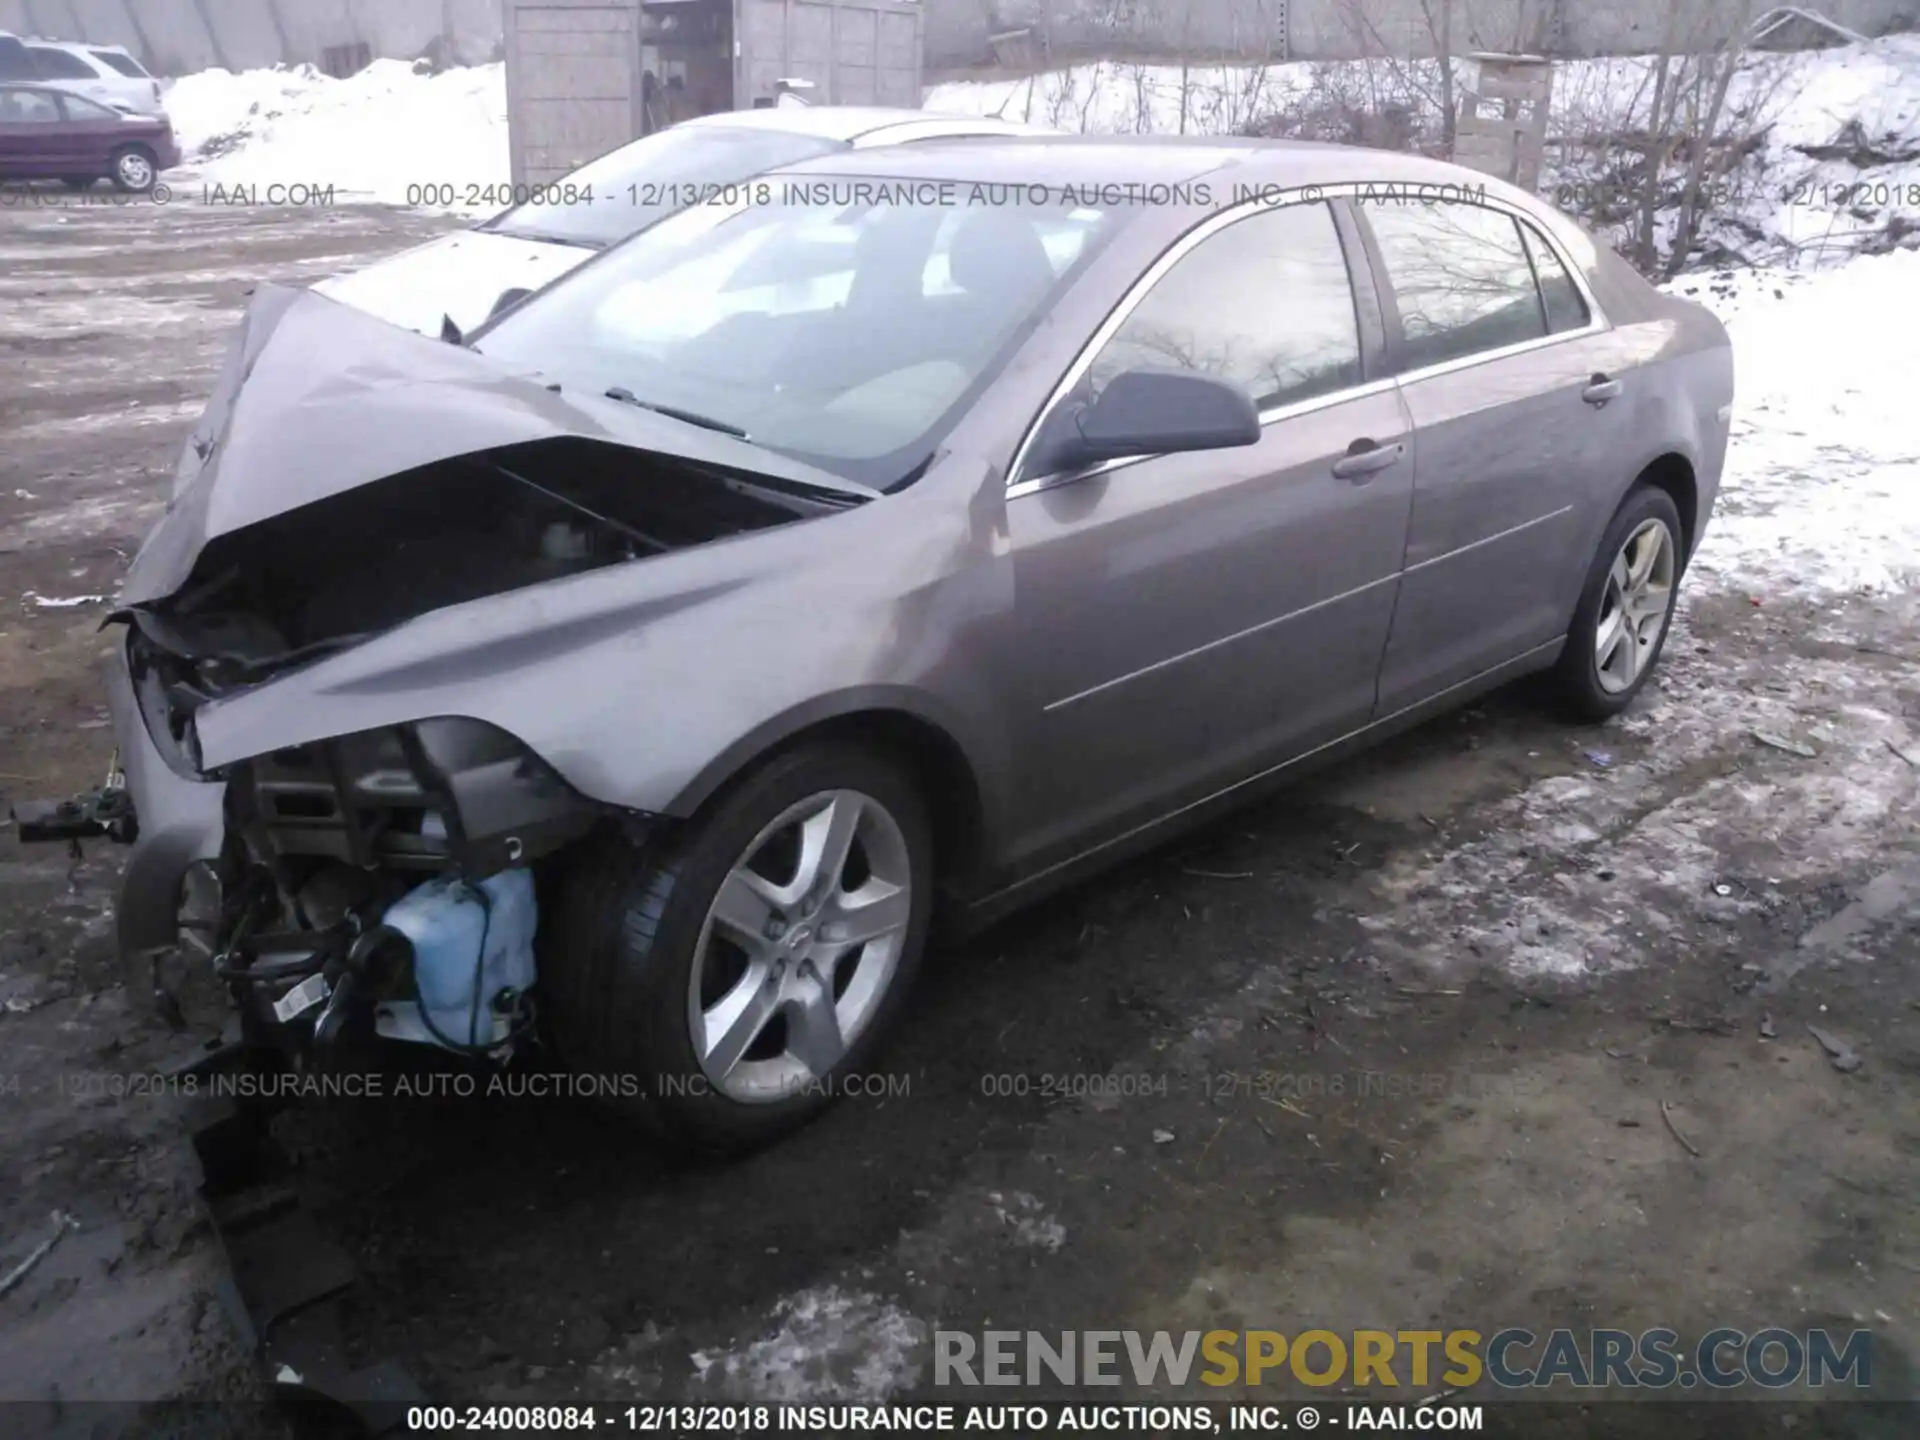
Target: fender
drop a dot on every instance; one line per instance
(982, 748)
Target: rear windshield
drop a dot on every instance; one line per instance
(629, 189)
(125, 64)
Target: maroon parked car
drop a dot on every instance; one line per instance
(48, 134)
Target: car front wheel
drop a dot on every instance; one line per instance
(134, 169)
(1625, 609)
(721, 987)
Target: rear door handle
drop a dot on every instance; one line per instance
(1364, 458)
(1600, 390)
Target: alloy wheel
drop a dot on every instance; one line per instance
(1634, 607)
(135, 171)
(799, 947)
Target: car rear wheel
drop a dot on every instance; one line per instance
(1625, 609)
(135, 169)
(721, 988)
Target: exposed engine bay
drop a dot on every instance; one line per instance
(326, 575)
(381, 883)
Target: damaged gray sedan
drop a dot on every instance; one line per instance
(645, 671)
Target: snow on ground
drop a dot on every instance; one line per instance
(824, 1344)
(1822, 490)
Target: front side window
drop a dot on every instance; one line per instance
(626, 190)
(28, 107)
(59, 65)
(1460, 275)
(1265, 303)
(849, 333)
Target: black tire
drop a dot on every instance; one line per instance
(141, 184)
(78, 182)
(1575, 682)
(618, 954)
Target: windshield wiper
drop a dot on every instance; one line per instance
(691, 417)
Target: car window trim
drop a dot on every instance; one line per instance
(1372, 271)
(1597, 321)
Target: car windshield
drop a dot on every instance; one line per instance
(849, 331)
(626, 190)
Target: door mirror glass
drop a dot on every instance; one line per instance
(1155, 410)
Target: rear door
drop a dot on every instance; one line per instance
(32, 133)
(1198, 618)
(1512, 435)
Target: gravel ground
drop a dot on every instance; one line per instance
(1390, 1049)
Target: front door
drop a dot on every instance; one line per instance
(1197, 618)
(30, 132)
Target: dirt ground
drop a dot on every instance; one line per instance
(1391, 1049)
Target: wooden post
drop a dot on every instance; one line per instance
(1503, 128)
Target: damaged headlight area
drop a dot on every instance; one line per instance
(381, 885)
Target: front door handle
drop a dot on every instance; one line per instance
(1365, 457)
(1600, 390)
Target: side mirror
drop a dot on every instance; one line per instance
(1155, 411)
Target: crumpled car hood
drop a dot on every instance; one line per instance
(316, 399)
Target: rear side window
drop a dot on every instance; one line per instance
(1566, 308)
(78, 109)
(1265, 303)
(1460, 275)
(59, 65)
(121, 64)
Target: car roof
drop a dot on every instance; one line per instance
(850, 122)
(1094, 160)
(41, 42)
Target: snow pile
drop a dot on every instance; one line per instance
(380, 136)
(1822, 487)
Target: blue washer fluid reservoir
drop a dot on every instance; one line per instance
(448, 922)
